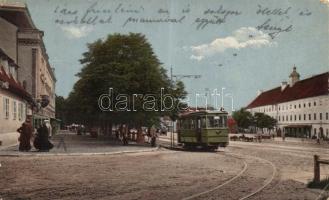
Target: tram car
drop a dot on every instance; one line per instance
(205, 129)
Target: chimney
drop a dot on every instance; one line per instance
(283, 85)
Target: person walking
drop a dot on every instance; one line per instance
(25, 136)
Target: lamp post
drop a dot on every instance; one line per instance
(232, 102)
(223, 88)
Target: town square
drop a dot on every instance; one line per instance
(164, 99)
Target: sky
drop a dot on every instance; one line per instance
(242, 46)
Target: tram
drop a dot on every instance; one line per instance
(206, 129)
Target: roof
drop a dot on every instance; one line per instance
(311, 87)
(17, 14)
(202, 112)
(14, 86)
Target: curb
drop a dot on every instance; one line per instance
(78, 154)
(8, 146)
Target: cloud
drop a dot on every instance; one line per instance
(244, 37)
(76, 32)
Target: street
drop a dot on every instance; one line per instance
(240, 171)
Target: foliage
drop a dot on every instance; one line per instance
(243, 118)
(264, 121)
(60, 109)
(127, 64)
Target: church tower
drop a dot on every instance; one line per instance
(294, 77)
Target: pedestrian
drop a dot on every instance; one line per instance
(41, 142)
(25, 136)
(283, 136)
(153, 136)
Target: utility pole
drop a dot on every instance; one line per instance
(178, 77)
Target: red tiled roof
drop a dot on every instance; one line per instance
(14, 86)
(310, 87)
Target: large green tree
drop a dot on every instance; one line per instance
(264, 121)
(243, 118)
(128, 65)
(61, 111)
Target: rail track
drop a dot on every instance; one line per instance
(240, 186)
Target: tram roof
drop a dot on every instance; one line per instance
(203, 112)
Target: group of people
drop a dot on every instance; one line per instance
(41, 138)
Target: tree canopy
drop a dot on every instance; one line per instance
(127, 65)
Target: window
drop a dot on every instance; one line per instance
(216, 121)
(20, 111)
(299, 117)
(295, 106)
(291, 118)
(320, 116)
(299, 106)
(327, 116)
(309, 117)
(304, 116)
(279, 118)
(314, 116)
(14, 110)
(309, 104)
(287, 118)
(6, 107)
(314, 103)
(304, 105)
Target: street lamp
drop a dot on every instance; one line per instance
(223, 88)
(230, 96)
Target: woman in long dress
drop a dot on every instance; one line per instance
(41, 142)
(25, 136)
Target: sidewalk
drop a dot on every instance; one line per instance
(81, 145)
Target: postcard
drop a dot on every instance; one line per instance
(164, 99)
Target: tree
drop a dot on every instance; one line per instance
(243, 118)
(264, 121)
(128, 65)
(60, 109)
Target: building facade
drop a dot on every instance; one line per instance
(23, 42)
(301, 107)
(15, 101)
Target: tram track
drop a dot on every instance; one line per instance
(231, 185)
(231, 189)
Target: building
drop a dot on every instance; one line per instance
(301, 107)
(23, 43)
(15, 101)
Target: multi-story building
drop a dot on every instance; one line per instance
(301, 107)
(15, 102)
(23, 42)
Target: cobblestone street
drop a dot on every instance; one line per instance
(243, 170)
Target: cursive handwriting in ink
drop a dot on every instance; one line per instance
(276, 11)
(273, 30)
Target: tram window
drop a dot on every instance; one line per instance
(192, 124)
(216, 121)
(203, 122)
(224, 121)
(199, 123)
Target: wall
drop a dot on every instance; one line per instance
(8, 38)
(8, 126)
